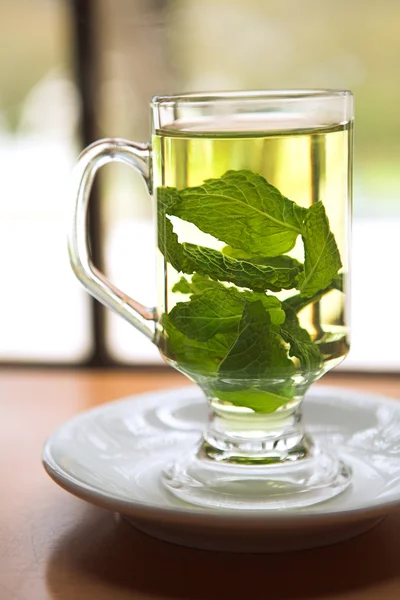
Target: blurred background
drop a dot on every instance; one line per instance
(73, 71)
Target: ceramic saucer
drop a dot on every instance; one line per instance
(113, 455)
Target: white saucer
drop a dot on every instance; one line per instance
(112, 456)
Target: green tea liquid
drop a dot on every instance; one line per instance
(306, 166)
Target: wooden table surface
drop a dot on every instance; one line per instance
(55, 546)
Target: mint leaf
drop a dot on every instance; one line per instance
(258, 350)
(192, 355)
(168, 242)
(241, 209)
(167, 197)
(258, 400)
(270, 303)
(199, 284)
(196, 285)
(219, 310)
(277, 262)
(322, 258)
(209, 313)
(338, 283)
(183, 286)
(187, 258)
(301, 345)
(298, 302)
(244, 334)
(169, 245)
(275, 277)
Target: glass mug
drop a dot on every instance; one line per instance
(252, 192)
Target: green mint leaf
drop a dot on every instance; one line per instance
(277, 262)
(168, 243)
(298, 302)
(187, 258)
(169, 246)
(167, 198)
(271, 304)
(183, 286)
(258, 350)
(199, 284)
(258, 400)
(214, 264)
(193, 355)
(219, 310)
(245, 334)
(338, 283)
(196, 285)
(243, 210)
(206, 314)
(322, 258)
(301, 345)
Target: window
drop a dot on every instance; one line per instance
(163, 46)
(219, 44)
(44, 314)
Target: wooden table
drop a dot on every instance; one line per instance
(54, 546)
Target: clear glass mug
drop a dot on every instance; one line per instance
(252, 192)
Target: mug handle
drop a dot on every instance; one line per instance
(90, 161)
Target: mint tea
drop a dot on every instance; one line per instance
(252, 233)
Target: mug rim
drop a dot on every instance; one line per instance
(281, 94)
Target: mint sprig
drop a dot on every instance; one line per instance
(322, 258)
(218, 310)
(243, 210)
(274, 275)
(245, 334)
(257, 347)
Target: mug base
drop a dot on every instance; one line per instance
(205, 482)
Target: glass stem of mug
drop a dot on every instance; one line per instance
(256, 439)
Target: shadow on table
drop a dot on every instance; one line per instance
(106, 555)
